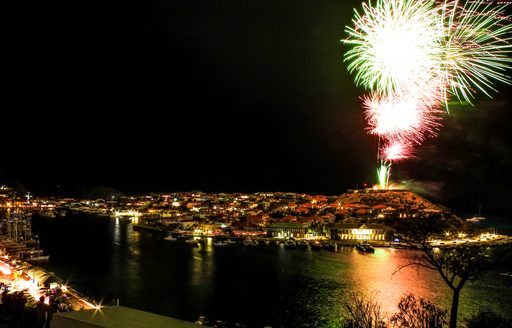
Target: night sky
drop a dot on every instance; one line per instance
(216, 96)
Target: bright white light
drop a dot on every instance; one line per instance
(396, 44)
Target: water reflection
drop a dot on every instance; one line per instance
(288, 287)
(117, 229)
(378, 273)
(203, 263)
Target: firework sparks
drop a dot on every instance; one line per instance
(414, 55)
(395, 44)
(400, 117)
(383, 172)
(396, 150)
(410, 44)
(476, 47)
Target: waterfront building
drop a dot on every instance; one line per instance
(210, 229)
(287, 229)
(358, 231)
(245, 228)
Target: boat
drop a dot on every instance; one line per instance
(290, 244)
(478, 218)
(170, 237)
(303, 244)
(316, 245)
(47, 214)
(29, 252)
(194, 242)
(33, 255)
(333, 247)
(219, 243)
(201, 320)
(40, 258)
(61, 212)
(365, 248)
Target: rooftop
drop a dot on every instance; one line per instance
(116, 317)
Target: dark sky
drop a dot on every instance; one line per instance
(221, 95)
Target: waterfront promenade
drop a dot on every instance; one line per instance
(23, 284)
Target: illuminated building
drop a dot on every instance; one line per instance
(287, 229)
(358, 231)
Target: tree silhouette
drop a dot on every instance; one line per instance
(456, 264)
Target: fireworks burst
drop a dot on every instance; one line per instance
(476, 47)
(400, 117)
(410, 44)
(414, 55)
(394, 44)
(396, 150)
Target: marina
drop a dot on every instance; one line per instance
(17, 239)
(23, 281)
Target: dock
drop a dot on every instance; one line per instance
(147, 227)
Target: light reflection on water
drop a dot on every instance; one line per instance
(379, 273)
(203, 264)
(257, 286)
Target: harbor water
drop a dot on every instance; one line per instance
(257, 286)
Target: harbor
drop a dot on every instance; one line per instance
(261, 241)
(292, 286)
(193, 237)
(174, 254)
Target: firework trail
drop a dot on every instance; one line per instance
(415, 55)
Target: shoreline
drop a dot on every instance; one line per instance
(33, 281)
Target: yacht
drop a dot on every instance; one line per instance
(33, 255)
(365, 248)
(478, 218)
(191, 241)
(201, 320)
(39, 258)
(290, 244)
(316, 245)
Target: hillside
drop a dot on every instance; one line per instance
(395, 199)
